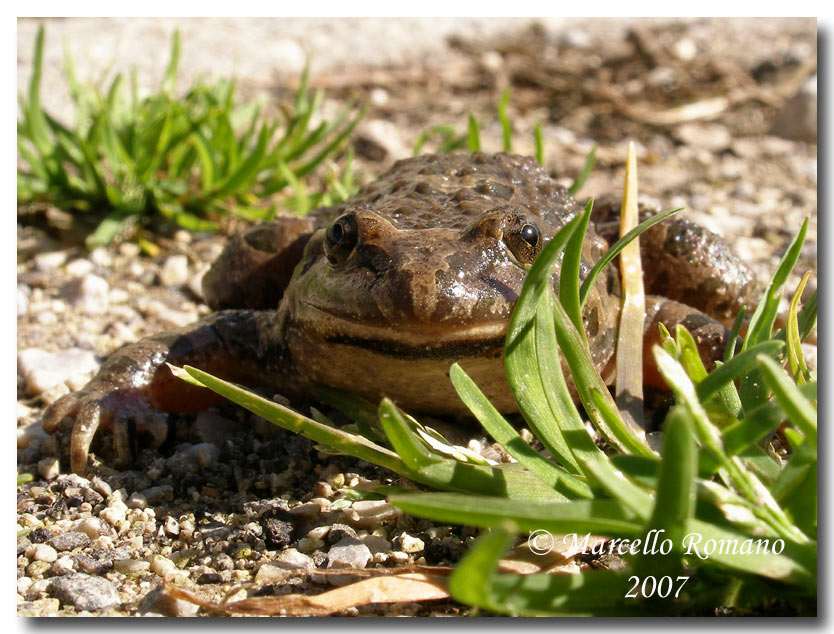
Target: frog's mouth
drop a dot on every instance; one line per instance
(403, 340)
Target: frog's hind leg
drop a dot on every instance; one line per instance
(685, 262)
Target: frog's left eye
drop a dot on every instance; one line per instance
(340, 238)
(523, 238)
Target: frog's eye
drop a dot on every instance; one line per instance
(523, 238)
(530, 234)
(340, 238)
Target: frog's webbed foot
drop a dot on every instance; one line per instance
(126, 413)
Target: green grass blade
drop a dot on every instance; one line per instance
(798, 410)
(506, 126)
(569, 277)
(506, 435)
(169, 79)
(475, 582)
(350, 444)
(522, 361)
(759, 422)
(443, 473)
(628, 438)
(761, 323)
(204, 154)
(539, 140)
(735, 368)
(732, 339)
(414, 453)
(573, 190)
(474, 135)
(470, 582)
(675, 493)
(245, 172)
(601, 517)
(615, 249)
(35, 120)
(331, 147)
(796, 564)
(796, 360)
(711, 440)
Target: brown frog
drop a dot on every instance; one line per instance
(381, 294)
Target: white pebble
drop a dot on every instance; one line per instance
(174, 272)
(23, 585)
(685, 49)
(22, 300)
(162, 566)
(88, 294)
(49, 468)
(411, 544)
(130, 566)
(90, 526)
(31, 433)
(42, 552)
(44, 370)
(63, 565)
(114, 514)
(79, 267)
(100, 257)
(50, 261)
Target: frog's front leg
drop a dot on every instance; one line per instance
(134, 390)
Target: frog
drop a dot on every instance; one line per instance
(381, 294)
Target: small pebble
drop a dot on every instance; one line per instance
(42, 552)
(137, 501)
(171, 526)
(174, 271)
(307, 545)
(409, 544)
(43, 370)
(23, 585)
(63, 566)
(114, 514)
(348, 553)
(90, 526)
(49, 468)
(100, 256)
(370, 513)
(130, 566)
(79, 267)
(22, 300)
(69, 541)
(84, 592)
(291, 559)
(376, 544)
(162, 566)
(88, 294)
(47, 262)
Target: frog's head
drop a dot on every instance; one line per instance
(421, 272)
(416, 285)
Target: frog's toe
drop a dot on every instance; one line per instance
(84, 430)
(66, 406)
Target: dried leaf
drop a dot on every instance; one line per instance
(380, 588)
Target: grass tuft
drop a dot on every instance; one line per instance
(188, 159)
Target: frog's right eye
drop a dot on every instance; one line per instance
(340, 238)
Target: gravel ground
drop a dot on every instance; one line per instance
(231, 503)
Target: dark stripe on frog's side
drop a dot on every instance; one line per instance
(462, 349)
